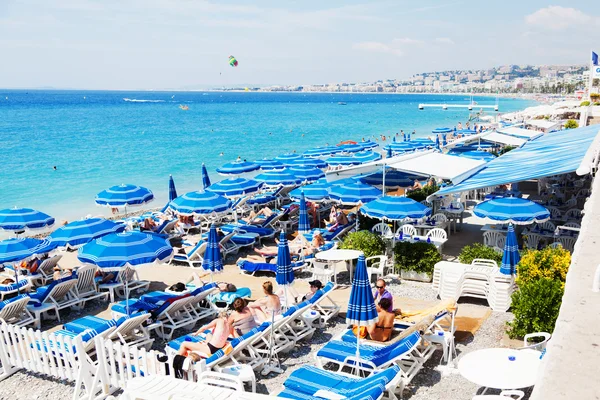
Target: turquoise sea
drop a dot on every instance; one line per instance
(97, 139)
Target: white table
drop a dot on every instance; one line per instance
(337, 255)
(494, 368)
(439, 243)
(454, 213)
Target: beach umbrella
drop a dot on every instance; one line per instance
(395, 208)
(512, 210)
(423, 140)
(172, 190)
(18, 219)
(237, 167)
(441, 130)
(367, 156)
(393, 179)
(19, 249)
(200, 203)
(477, 155)
(269, 165)
(117, 251)
(388, 153)
(205, 179)
(322, 151)
(354, 193)
(317, 191)
(286, 158)
(303, 223)
(361, 306)
(233, 187)
(511, 256)
(343, 160)
(351, 148)
(368, 144)
(78, 233)
(307, 173)
(308, 162)
(284, 177)
(124, 195)
(212, 256)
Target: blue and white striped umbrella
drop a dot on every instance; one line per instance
(343, 160)
(78, 233)
(19, 219)
(205, 178)
(393, 208)
(285, 272)
(437, 141)
(18, 249)
(351, 148)
(237, 167)
(441, 130)
(212, 256)
(322, 151)
(423, 140)
(199, 203)
(124, 195)
(393, 179)
(172, 190)
(303, 222)
(444, 142)
(388, 152)
(317, 191)
(307, 174)
(511, 256)
(269, 165)
(361, 306)
(308, 162)
(285, 177)
(233, 187)
(367, 156)
(354, 193)
(512, 210)
(368, 145)
(286, 158)
(116, 251)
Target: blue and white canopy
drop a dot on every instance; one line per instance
(394, 208)
(212, 256)
(303, 222)
(308, 162)
(477, 155)
(78, 233)
(512, 210)
(322, 151)
(285, 272)
(354, 193)
(269, 165)
(284, 177)
(306, 173)
(19, 219)
(200, 203)
(511, 256)
(393, 179)
(205, 178)
(116, 251)
(124, 195)
(317, 191)
(361, 306)
(237, 167)
(233, 187)
(172, 190)
(18, 249)
(286, 158)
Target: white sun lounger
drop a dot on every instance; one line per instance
(14, 311)
(45, 271)
(57, 296)
(194, 258)
(86, 288)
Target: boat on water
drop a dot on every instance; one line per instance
(341, 103)
(184, 107)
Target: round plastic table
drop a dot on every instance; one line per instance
(501, 368)
(339, 255)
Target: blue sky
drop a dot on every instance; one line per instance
(167, 44)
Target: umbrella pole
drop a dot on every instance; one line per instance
(17, 278)
(126, 294)
(270, 366)
(356, 362)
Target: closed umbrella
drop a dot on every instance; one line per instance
(303, 223)
(394, 208)
(78, 233)
(513, 210)
(361, 306)
(172, 190)
(205, 178)
(212, 256)
(511, 256)
(19, 219)
(234, 187)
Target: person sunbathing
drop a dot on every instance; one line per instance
(264, 212)
(214, 341)
(149, 225)
(241, 319)
(340, 220)
(296, 246)
(381, 331)
(268, 307)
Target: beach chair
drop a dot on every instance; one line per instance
(87, 288)
(87, 332)
(377, 266)
(325, 305)
(383, 229)
(251, 268)
(58, 295)
(310, 382)
(227, 246)
(296, 327)
(538, 345)
(533, 240)
(14, 311)
(21, 286)
(261, 344)
(45, 271)
(492, 239)
(193, 258)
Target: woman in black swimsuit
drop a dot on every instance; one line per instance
(382, 330)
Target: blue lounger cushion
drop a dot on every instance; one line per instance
(7, 302)
(229, 297)
(338, 350)
(38, 297)
(251, 267)
(307, 380)
(89, 322)
(11, 287)
(248, 229)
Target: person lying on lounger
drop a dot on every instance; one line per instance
(264, 212)
(214, 341)
(296, 246)
(340, 220)
(149, 225)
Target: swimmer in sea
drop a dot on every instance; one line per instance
(54, 168)
(221, 154)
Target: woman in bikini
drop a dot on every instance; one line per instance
(214, 342)
(241, 319)
(381, 331)
(266, 308)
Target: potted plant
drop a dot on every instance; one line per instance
(415, 261)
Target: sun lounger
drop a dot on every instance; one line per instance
(296, 327)
(310, 382)
(58, 295)
(249, 267)
(21, 286)
(88, 328)
(14, 311)
(338, 233)
(325, 305)
(193, 258)
(118, 286)
(45, 271)
(87, 288)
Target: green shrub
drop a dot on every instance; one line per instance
(421, 194)
(506, 149)
(369, 243)
(597, 103)
(418, 257)
(535, 306)
(478, 250)
(571, 124)
(547, 263)
(584, 103)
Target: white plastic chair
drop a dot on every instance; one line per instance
(572, 225)
(383, 229)
(556, 245)
(490, 238)
(501, 242)
(549, 226)
(439, 218)
(568, 243)
(532, 241)
(407, 230)
(437, 233)
(555, 213)
(573, 214)
(538, 345)
(377, 267)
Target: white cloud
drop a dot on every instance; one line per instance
(444, 40)
(558, 18)
(407, 41)
(377, 47)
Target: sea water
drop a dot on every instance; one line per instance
(97, 139)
